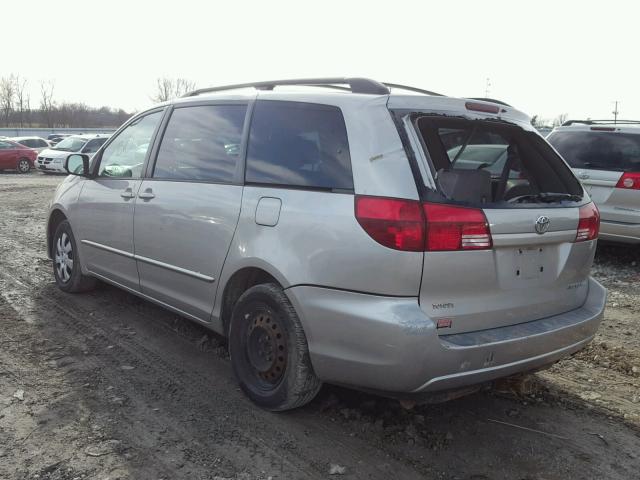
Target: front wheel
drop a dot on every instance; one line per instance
(269, 352)
(23, 165)
(66, 262)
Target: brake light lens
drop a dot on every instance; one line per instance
(456, 228)
(629, 181)
(392, 222)
(589, 223)
(410, 226)
(482, 107)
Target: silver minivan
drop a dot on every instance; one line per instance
(605, 155)
(337, 232)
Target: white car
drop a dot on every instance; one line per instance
(51, 160)
(36, 143)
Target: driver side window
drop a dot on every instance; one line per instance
(125, 155)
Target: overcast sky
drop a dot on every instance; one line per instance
(544, 57)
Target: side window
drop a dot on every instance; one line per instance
(41, 143)
(298, 144)
(201, 143)
(27, 143)
(125, 155)
(92, 146)
(5, 146)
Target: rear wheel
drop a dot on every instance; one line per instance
(23, 165)
(66, 262)
(269, 351)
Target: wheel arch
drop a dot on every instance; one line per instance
(55, 218)
(239, 282)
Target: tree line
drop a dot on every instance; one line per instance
(19, 110)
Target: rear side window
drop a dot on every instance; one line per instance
(94, 145)
(202, 143)
(599, 150)
(485, 162)
(298, 144)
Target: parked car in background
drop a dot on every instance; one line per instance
(606, 157)
(52, 159)
(14, 156)
(37, 143)
(332, 238)
(55, 138)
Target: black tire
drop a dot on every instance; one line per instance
(23, 165)
(269, 351)
(69, 279)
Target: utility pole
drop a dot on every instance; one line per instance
(615, 113)
(487, 85)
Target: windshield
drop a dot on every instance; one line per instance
(71, 144)
(599, 150)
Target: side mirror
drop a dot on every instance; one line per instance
(77, 164)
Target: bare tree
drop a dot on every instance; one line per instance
(539, 122)
(169, 88)
(22, 99)
(46, 102)
(7, 97)
(560, 119)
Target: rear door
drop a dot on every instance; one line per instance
(8, 155)
(104, 218)
(188, 207)
(498, 251)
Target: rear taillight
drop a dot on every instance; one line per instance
(589, 223)
(456, 228)
(392, 222)
(629, 181)
(410, 226)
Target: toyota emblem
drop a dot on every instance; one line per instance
(542, 224)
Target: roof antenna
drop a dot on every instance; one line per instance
(615, 113)
(487, 87)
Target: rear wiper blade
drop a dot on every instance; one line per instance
(547, 197)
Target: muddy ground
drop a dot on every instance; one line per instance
(107, 386)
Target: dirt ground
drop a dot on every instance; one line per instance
(107, 386)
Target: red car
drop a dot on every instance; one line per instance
(14, 156)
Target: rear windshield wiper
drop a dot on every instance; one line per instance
(546, 197)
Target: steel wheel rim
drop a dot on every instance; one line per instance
(23, 166)
(266, 347)
(64, 257)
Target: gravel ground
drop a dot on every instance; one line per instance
(107, 386)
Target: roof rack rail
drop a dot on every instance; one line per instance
(412, 89)
(356, 85)
(490, 100)
(601, 122)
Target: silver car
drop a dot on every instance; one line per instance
(337, 233)
(606, 158)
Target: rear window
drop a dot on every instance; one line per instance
(298, 144)
(486, 162)
(599, 150)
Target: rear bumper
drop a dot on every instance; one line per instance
(388, 344)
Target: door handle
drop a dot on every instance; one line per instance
(147, 194)
(127, 194)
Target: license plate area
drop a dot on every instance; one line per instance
(529, 262)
